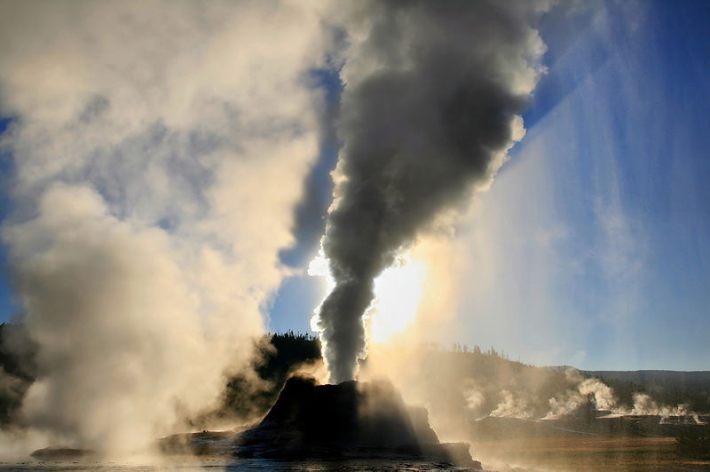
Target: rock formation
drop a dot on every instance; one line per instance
(350, 420)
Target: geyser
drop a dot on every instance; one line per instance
(351, 420)
(432, 101)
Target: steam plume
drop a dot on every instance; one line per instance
(570, 401)
(159, 149)
(433, 92)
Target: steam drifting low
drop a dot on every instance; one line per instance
(433, 93)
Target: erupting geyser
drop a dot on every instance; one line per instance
(365, 420)
(432, 98)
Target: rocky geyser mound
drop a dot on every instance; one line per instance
(350, 420)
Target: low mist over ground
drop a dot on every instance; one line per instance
(511, 413)
(470, 393)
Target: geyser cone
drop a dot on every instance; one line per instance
(347, 420)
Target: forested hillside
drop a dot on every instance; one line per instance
(457, 381)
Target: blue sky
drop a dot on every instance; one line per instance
(614, 170)
(600, 222)
(613, 174)
(7, 307)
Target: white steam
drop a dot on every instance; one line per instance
(513, 406)
(521, 403)
(645, 405)
(159, 149)
(584, 390)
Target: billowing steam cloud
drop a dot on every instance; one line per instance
(584, 389)
(580, 392)
(645, 405)
(159, 149)
(433, 93)
(512, 406)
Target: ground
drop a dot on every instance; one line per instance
(585, 453)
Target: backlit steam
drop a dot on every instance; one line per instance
(573, 399)
(159, 150)
(389, 314)
(581, 390)
(433, 93)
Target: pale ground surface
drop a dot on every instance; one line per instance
(584, 454)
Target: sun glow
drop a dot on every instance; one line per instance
(398, 294)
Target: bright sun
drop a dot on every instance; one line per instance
(398, 293)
